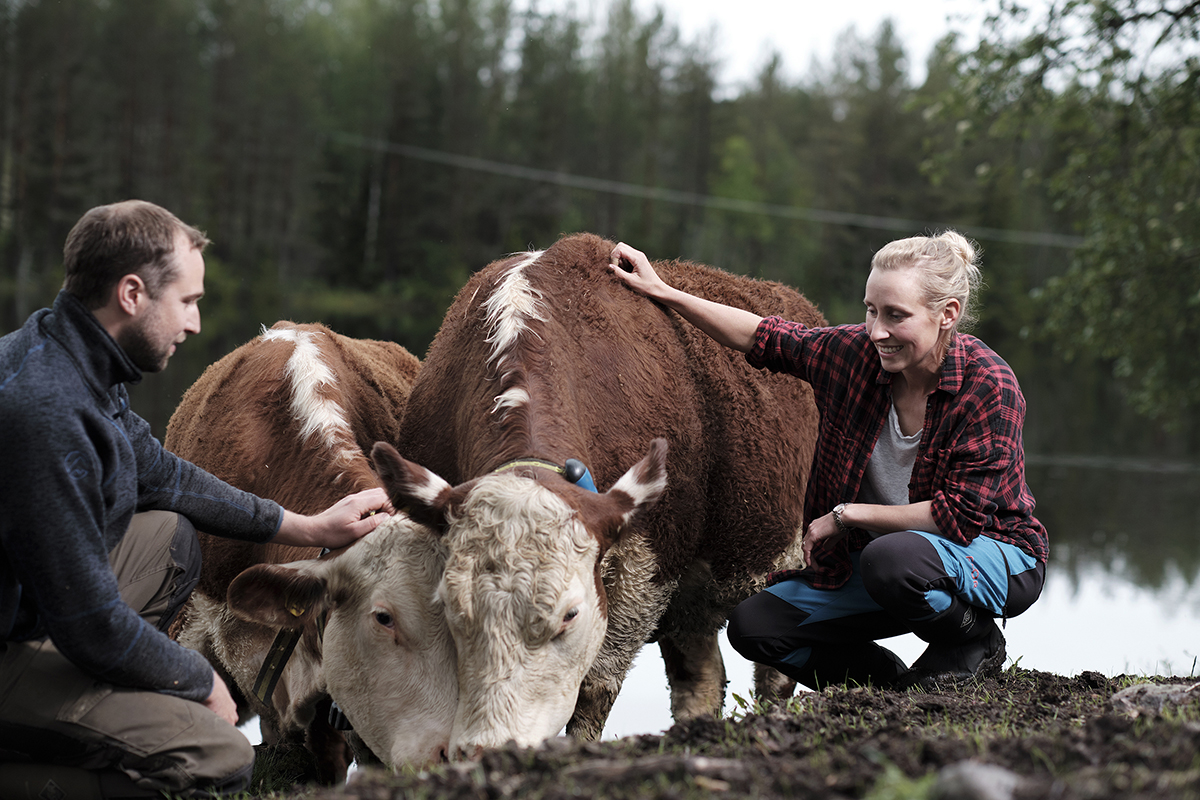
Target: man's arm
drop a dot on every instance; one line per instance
(343, 523)
(220, 702)
(172, 483)
(729, 326)
(53, 533)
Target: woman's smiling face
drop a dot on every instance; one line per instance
(906, 334)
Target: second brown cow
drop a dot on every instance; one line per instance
(700, 462)
(291, 416)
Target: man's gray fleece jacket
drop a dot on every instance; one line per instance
(75, 464)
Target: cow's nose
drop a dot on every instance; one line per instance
(444, 754)
(470, 752)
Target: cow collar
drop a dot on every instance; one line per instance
(278, 655)
(573, 470)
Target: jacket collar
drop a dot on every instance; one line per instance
(102, 362)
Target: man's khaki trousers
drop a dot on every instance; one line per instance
(51, 712)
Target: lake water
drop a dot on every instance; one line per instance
(1095, 621)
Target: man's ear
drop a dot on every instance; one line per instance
(131, 294)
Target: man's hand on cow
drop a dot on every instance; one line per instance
(343, 523)
(631, 266)
(220, 702)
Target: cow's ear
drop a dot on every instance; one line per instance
(279, 595)
(635, 492)
(413, 490)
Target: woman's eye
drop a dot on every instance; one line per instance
(384, 619)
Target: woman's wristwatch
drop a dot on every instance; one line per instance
(837, 517)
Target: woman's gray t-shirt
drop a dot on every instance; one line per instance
(890, 468)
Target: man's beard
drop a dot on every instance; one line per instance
(142, 350)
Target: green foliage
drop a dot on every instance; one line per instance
(281, 127)
(1106, 98)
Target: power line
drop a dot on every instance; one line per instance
(693, 198)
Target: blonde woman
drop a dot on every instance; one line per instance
(917, 514)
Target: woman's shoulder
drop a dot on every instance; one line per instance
(846, 335)
(976, 356)
(983, 372)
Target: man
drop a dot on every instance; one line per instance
(97, 545)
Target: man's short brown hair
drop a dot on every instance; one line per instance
(131, 237)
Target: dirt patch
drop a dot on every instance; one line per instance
(1027, 734)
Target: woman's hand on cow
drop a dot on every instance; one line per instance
(633, 268)
(343, 523)
(821, 530)
(728, 326)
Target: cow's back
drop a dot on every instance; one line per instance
(290, 416)
(610, 370)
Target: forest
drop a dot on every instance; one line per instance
(353, 161)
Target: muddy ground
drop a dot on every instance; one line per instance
(1026, 734)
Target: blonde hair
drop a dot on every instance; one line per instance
(949, 269)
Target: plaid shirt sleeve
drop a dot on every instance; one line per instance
(972, 460)
(851, 392)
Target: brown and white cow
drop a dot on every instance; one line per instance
(290, 415)
(701, 462)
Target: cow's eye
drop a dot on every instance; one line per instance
(567, 619)
(384, 619)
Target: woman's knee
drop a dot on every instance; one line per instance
(757, 624)
(899, 568)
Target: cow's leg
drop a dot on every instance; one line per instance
(332, 752)
(771, 685)
(596, 698)
(696, 673)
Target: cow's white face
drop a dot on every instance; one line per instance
(524, 608)
(388, 659)
(522, 588)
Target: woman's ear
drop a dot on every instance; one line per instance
(950, 313)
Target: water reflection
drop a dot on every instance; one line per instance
(1135, 519)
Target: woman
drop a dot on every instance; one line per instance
(917, 513)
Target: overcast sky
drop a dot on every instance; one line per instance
(745, 31)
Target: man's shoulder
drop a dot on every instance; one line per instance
(33, 363)
(38, 379)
